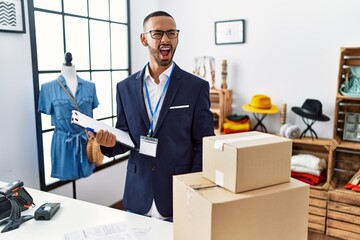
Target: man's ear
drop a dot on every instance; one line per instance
(143, 40)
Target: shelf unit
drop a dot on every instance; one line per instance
(221, 101)
(318, 199)
(343, 212)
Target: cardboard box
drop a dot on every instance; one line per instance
(205, 211)
(246, 161)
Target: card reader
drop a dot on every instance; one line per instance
(46, 211)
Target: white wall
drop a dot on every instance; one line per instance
(291, 54)
(18, 150)
(291, 51)
(139, 10)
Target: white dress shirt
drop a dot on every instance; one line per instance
(155, 91)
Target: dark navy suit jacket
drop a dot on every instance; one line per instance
(179, 132)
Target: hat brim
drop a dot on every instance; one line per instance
(302, 113)
(249, 108)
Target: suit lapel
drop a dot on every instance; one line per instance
(138, 86)
(173, 87)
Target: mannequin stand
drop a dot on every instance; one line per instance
(309, 124)
(15, 219)
(259, 118)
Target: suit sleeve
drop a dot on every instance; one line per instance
(202, 125)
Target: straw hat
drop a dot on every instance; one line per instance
(260, 104)
(93, 152)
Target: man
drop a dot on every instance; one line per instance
(167, 113)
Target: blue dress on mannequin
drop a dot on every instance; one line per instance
(68, 146)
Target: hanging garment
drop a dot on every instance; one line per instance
(68, 146)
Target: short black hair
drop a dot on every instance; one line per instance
(156, 14)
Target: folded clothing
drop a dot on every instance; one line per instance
(308, 161)
(309, 178)
(238, 118)
(229, 131)
(237, 127)
(305, 180)
(305, 170)
(237, 124)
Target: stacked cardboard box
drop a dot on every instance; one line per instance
(244, 192)
(247, 161)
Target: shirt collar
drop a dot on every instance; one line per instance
(163, 76)
(63, 81)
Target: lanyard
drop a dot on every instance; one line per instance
(153, 113)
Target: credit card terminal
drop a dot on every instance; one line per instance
(46, 211)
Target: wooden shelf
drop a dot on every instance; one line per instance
(321, 186)
(215, 110)
(346, 144)
(343, 214)
(339, 96)
(343, 211)
(310, 141)
(221, 101)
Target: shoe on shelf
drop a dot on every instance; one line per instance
(356, 188)
(354, 181)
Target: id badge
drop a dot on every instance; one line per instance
(148, 146)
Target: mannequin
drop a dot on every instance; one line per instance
(69, 73)
(68, 146)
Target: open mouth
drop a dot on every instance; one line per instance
(165, 51)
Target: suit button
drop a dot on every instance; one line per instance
(153, 168)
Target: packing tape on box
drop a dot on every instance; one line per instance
(196, 187)
(202, 186)
(219, 178)
(219, 144)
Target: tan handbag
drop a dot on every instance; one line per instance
(93, 150)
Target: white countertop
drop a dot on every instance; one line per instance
(75, 215)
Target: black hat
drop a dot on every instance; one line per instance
(311, 109)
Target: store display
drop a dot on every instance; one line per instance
(310, 111)
(352, 127)
(283, 114)
(68, 145)
(236, 124)
(260, 105)
(351, 85)
(224, 74)
(354, 181)
(220, 106)
(308, 168)
(93, 150)
(205, 68)
(344, 204)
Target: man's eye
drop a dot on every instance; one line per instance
(157, 34)
(171, 34)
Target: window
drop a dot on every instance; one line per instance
(96, 32)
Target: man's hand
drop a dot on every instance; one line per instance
(104, 138)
